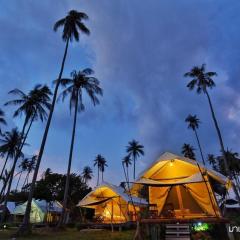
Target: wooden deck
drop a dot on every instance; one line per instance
(184, 220)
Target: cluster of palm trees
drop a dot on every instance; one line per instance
(39, 104)
(202, 81)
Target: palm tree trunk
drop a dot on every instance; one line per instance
(102, 176)
(221, 145)
(62, 219)
(11, 174)
(98, 177)
(24, 183)
(4, 166)
(125, 173)
(199, 146)
(25, 226)
(134, 167)
(17, 156)
(19, 180)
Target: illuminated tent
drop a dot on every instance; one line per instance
(181, 188)
(41, 211)
(111, 204)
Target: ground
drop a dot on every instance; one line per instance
(71, 234)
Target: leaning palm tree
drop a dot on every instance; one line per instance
(2, 120)
(72, 25)
(103, 165)
(127, 162)
(193, 123)
(202, 81)
(9, 147)
(134, 149)
(212, 161)
(87, 174)
(33, 106)
(76, 87)
(97, 162)
(188, 151)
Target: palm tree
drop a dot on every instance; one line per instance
(202, 81)
(72, 24)
(127, 162)
(97, 162)
(9, 147)
(23, 167)
(103, 164)
(87, 174)
(188, 151)
(33, 106)
(81, 82)
(2, 120)
(212, 161)
(134, 149)
(30, 167)
(193, 123)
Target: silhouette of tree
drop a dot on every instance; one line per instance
(103, 165)
(2, 120)
(188, 151)
(97, 162)
(193, 123)
(134, 149)
(87, 174)
(72, 24)
(127, 162)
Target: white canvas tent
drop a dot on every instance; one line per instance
(181, 186)
(111, 203)
(41, 210)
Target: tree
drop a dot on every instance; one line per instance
(30, 167)
(81, 83)
(188, 151)
(193, 123)
(33, 106)
(72, 24)
(2, 120)
(202, 81)
(87, 174)
(97, 162)
(127, 162)
(134, 149)
(103, 165)
(23, 167)
(10, 142)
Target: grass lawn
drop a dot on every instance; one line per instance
(72, 234)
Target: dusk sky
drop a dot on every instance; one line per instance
(139, 51)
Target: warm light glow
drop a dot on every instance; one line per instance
(171, 163)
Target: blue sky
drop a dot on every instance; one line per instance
(139, 51)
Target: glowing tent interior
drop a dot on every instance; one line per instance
(112, 204)
(180, 188)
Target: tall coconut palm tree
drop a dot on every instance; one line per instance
(2, 120)
(202, 81)
(97, 162)
(10, 142)
(87, 174)
(81, 83)
(188, 151)
(134, 149)
(72, 27)
(193, 123)
(127, 162)
(103, 165)
(33, 106)
(23, 167)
